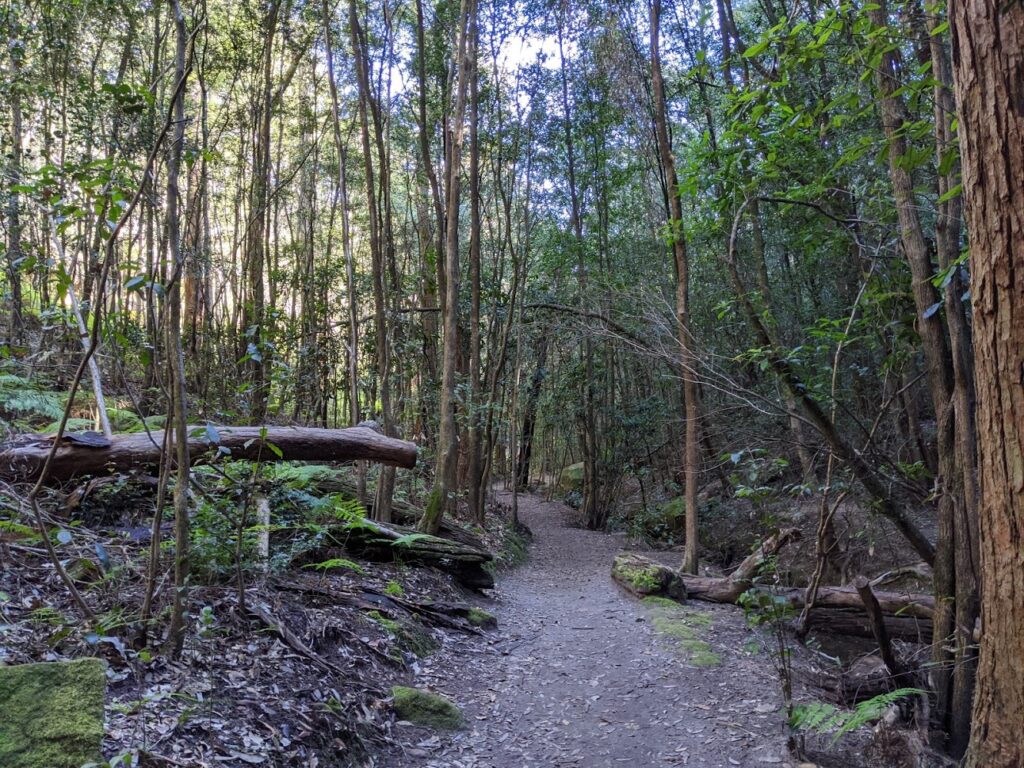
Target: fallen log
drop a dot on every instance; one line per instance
(384, 541)
(327, 480)
(22, 460)
(644, 577)
(837, 609)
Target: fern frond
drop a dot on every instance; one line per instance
(824, 718)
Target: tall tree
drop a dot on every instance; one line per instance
(988, 67)
(445, 482)
(677, 237)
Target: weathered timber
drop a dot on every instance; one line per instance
(22, 460)
(386, 541)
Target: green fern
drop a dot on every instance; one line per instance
(823, 718)
(337, 562)
(20, 396)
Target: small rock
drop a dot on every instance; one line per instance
(426, 708)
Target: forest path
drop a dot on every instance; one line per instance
(577, 675)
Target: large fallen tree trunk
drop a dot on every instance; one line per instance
(385, 541)
(92, 454)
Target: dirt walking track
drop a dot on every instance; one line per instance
(578, 676)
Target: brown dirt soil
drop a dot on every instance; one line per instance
(577, 675)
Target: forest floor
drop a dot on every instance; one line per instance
(581, 674)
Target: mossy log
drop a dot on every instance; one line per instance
(836, 609)
(644, 577)
(385, 541)
(23, 459)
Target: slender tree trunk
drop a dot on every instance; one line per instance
(688, 360)
(341, 192)
(988, 70)
(474, 430)
(442, 494)
(14, 251)
(593, 513)
(254, 328)
(950, 642)
(176, 358)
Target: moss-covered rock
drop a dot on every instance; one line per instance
(646, 577)
(478, 617)
(425, 708)
(683, 628)
(51, 715)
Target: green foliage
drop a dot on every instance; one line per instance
(821, 717)
(335, 563)
(410, 538)
(21, 398)
(394, 588)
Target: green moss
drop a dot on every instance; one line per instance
(514, 548)
(663, 603)
(425, 708)
(683, 629)
(642, 580)
(478, 617)
(409, 635)
(52, 714)
(434, 510)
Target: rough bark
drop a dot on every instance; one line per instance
(23, 459)
(988, 67)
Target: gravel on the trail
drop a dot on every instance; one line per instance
(577, 676)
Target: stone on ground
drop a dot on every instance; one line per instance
(426, 708)
(52, 714)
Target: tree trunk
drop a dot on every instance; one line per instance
(178, 418)
(688, 360)
(988, 67)
(948, 641)
(442, 495)
(23, 460)
(475, 428)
